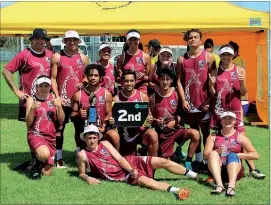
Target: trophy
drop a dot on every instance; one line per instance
(92, 112)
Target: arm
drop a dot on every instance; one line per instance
(82, 162)
(119, 68)
(59, 110)
(54, 64)
(108, 110)
(31, 105)
(211, 62)
(251, 154)
(210, 141)
(242, 80)
(77, 112)
(212, 81)
(147, 59)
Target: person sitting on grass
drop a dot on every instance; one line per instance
(224, 151)
(106, 162)
(43, 110)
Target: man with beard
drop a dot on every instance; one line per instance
(67, 74)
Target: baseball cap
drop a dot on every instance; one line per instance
(154, 43)
(165, 49)
(71, 34)
(90, 129)
(228, 113)
(104, 45)
(43, 80)
(39, 33)
(226, 49)
(133, 34)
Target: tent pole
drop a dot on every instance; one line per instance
(269, 76)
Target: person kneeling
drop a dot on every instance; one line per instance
(106, 162)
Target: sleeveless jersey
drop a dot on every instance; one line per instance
(45, 118)
(135, 63)
(104, 165)
(172, 68)
(227, 91)
(130, 133)
(195, 80)
(108, 81)
(165, 107)
(100, 103)
(70, 72)
(30, 66)
(232, 142)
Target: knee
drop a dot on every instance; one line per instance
(151, 137)
(112, 135)
(43, 153)
(164, 162)
(195, 135)
(213, 156)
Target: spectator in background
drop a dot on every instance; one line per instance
(238, 60)
(154, 49)
(209, 47)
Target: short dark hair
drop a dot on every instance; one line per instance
(187, 34)
(97, 66)
(235, 46)
(128, 72)
(208, 43)
(165, 71)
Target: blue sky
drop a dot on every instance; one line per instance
(255, 5)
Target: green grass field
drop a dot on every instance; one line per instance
(64, 187)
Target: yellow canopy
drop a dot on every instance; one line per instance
(95, 18)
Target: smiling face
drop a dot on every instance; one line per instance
(129, 83)
(38, 44)
(133, 42)
(165, 58)
(105, 53)
(43, 90)
(226, 58)
(228, 122)
(71, 43)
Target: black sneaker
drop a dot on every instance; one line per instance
(35, 172)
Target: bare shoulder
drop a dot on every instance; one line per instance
(82, 155)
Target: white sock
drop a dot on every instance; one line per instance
(77, 149)
(199, 157)
(173, 190)
(191, 174)
(58, 154)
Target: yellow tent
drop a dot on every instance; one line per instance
(94, 18)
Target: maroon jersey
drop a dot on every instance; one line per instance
(130, 134)
(70, 72)
(232, 142)
(227, 88)
(100, 103)
(195, 80)
(137, 64)
(30, 66)
(108, 81)
(165, 107)
(105, 166)
(45, 118)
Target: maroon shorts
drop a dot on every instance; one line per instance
(142, 164)
(36, 141)
(216, 123)
(167, 140)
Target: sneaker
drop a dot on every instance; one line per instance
(183, 193)
(188, 165)
(257, 174)
(60, 164)
(180, 156)
(35, 172)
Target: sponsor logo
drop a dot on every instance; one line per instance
(101, 99)
(138, 106)
(173, 103)
(50, 104)
(233, 142)
(233, 75)
(139, 60)
(79, 62)
(201, 64)
(104, 152)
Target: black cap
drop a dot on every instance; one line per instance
(154, 43)
(39, 33)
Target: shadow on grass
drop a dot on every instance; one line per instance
(9, 111)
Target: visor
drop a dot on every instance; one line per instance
(133, 34)
(165, 50)
(224, 114)
(104, 46)
(43, 80)
(226, 50)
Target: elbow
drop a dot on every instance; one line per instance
(256, 156)
(205, 155)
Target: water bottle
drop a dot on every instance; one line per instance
(224, 154)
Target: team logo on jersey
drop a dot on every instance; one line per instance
(104, 152)
(50, 115)
(50, 104)
(101, 99)
(173, 103)
(48, 59)
(233, 75)
(79, 62)
(233, 142)
(139, 60)
(201, 64)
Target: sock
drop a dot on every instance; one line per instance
(189, 159)
(190, 174)
(77, 149)
(58, 154)
(173, 190)
(199, 157)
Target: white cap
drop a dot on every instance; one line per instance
(165, 50)
(88, 129)
(133, 34)
(228, 113)
(71, 34)
(226, 50)
(43, 80)
(104, 46)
